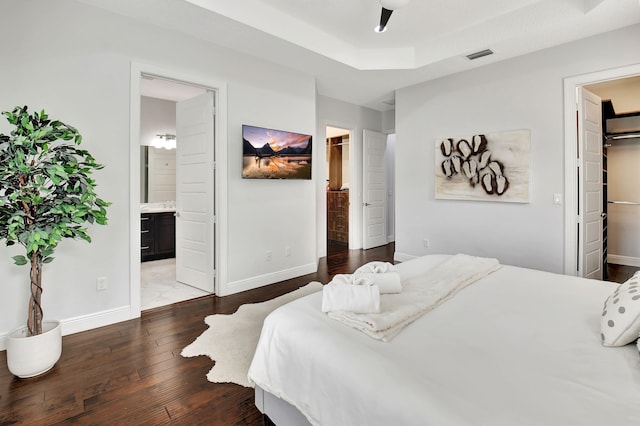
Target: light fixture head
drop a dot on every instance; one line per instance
(384, 19)
(388, 6)
(166, 141)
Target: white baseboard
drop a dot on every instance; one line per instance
(402, 257)
(85, 322)
(623, 260)
(112, 316)
(266, 279)
(95, 320)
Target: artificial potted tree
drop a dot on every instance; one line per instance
(46, 194)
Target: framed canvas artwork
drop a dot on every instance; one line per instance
(483, 167)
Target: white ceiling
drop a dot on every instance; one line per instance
(624, 93)
(160, 88)
(332, 132)
(334, 39)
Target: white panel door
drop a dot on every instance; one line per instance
(194, 193)
(374, 184)
(590, 176)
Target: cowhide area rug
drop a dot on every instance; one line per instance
(231, 340)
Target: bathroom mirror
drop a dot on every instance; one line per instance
(157, 174)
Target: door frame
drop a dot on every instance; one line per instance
(570, 160)
(355, 209)
(219, 88)
(352, 204)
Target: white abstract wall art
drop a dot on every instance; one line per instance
(483, 167)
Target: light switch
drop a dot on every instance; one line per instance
(557, 199)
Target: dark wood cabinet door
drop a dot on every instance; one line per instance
(165, 238)
(157, 236)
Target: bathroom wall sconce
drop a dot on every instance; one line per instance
(166, 141)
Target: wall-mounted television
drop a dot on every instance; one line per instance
(275, 154)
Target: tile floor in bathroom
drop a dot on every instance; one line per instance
(159, 286)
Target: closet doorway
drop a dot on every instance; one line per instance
(337, 189)
(620, 246)
(620, 175)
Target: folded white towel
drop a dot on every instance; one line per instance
(388, 282)
(375, 268)
(340, 297)
(419, 295)
(351, 279)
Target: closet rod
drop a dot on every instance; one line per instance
(631, 135)
(630, 203)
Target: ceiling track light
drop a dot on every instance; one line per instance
(384, 18)
(388, 6)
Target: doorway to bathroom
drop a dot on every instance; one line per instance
(176, 191)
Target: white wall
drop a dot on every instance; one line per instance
(522, 93)
(157, 117)
(270, 215)
(335, 113)
(389, 121)
(624, 93)
(346, 161)
(75, 61)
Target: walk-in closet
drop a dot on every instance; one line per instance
(621, 172)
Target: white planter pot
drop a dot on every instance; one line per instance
(29, 356)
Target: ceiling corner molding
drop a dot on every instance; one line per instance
(589, 5)
(298, 32)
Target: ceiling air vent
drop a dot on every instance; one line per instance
(479, 54)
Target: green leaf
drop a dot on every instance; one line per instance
(47, 192)
(20, 260)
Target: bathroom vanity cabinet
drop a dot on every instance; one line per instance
(157, 235)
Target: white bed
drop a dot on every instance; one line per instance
(518, 347)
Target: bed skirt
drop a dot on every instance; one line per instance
(279, 411)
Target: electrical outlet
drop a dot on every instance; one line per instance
(287, 251)
(425, 243)
(269, 255)
(101, 284)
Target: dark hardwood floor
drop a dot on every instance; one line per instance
(620, 273)
(132, 373)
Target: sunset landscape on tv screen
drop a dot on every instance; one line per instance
(275, 154)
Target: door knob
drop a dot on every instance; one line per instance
(366, 204)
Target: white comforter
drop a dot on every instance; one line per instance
(518, 347)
